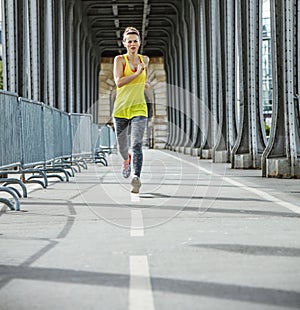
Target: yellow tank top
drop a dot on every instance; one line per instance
(130, 99)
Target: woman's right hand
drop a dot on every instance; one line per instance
(140, 68)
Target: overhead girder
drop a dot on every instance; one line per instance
(102, 12)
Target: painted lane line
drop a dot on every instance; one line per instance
(265, 195)
(134, 197)
(137, 224)
(258, 192)
(140, 290)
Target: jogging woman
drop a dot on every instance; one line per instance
(130, 108)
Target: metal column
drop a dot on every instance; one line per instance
(61, 55)
(71, 57)
(9, 45)
(281, 157)
(78, 76)
(34, 76)
(250, 142)
(227, 80)
(211, 110)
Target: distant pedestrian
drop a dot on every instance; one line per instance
(130, 108)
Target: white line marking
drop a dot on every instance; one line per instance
(258, 192)
(137, 224)
(140, 290)
(135, 197)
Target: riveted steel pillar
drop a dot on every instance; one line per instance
(171, 104)
(70, 24)
(96, 89)
(173, 87)
(282, 155)
(10, 61)
(226, 63)
(83, 72)
(212, 28)
(186, 48)
(231, 76)
(251, 136)
(203, 75)
(21, 37)
(61, 54)
(34, 76)
(196, 77)
(88, 79)
(191, 92)
(92, 80)
(179, 93)
(49, 66)
(220, 152)
(78, 62)
(170, 76)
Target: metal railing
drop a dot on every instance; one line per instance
(43, 142)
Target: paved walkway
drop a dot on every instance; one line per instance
(200, 236)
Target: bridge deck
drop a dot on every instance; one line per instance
(200, 236)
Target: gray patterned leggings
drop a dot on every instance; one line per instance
(138, 125)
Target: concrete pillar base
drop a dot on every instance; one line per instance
(206, 154)
(245, 161)
(178, 149)
(187, 150)
(281, 168)
(221, 157)
(195, 152)
(160, 146)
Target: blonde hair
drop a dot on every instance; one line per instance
(130, 30)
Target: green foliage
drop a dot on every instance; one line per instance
(267, 128)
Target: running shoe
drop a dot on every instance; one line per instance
(127, 167)
(136, 184)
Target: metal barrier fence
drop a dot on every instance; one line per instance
(32, 133)
(10, 132)
(39, 140)
(107, 139)
(10, 143)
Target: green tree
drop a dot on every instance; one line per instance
(267, 128)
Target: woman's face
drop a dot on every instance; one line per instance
(132, 42)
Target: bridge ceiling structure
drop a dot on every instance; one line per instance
(153, 18)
